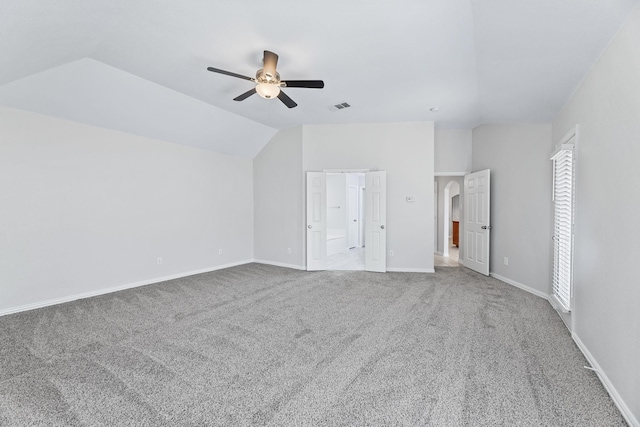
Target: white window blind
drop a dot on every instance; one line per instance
(563, 184)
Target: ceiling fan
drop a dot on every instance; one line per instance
(268, 81)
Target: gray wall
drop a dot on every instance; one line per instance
(278, 191)
(606, 316)
(518, 156)
(405, 151)
(452, 151)
(455, 207)
(85, 210)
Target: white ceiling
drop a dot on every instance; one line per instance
(140, 66)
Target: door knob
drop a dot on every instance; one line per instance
(382, 226)
(484, 227)
(355, 220)
(308, 226)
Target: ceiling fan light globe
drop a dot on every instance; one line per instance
(268, 90)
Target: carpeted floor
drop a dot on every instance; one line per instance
(263, 345)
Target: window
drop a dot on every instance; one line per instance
(563, 203)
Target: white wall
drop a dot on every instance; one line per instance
(405, 151)
(279, 200)
(606, 316)
(85, 209)
(452, 150)
(518, 156)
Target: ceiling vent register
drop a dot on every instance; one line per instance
(340, 106)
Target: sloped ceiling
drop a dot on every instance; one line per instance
(140, 66)
(93, 93)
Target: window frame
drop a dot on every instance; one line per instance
(563, 197)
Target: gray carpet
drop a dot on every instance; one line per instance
(263, 345)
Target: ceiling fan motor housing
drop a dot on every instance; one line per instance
(264, 77)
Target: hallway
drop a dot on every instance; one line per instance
(450, 261)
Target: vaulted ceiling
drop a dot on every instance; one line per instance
(140, 66)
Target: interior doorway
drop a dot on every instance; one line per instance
(451, 220)
(345, 221)
(321, 233)
(448, 213)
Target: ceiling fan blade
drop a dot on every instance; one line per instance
(229, 73)
(286, 100)
(245, 95)
(270, 61)
(312, 84)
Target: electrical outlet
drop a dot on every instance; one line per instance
(390, 253)
(288, 251)
(219, 251)
(159, 260)
(506, 260)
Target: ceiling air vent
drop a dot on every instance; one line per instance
(340, 106)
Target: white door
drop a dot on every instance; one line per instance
(352, 196)
(376, 221)
(477, 224)
(316, 221)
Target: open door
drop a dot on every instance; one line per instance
(375, 221)
(316, 221)
(477, 225)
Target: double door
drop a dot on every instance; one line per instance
(374, 228)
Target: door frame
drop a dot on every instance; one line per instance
(436, 202)
(305, 230)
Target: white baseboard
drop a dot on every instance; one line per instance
(622, 406)
(439, 253)
(280, 264)
(109, 290)
(521, 286)
(411, 270)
